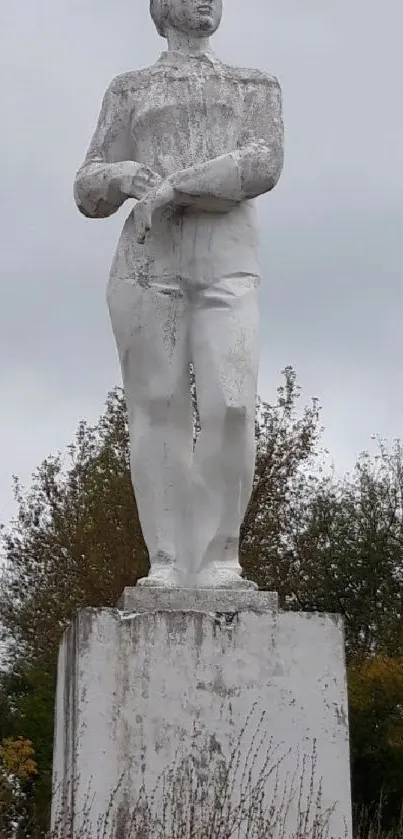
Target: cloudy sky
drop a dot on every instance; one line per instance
(332, 298)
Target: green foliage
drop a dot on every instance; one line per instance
(18, 770)
(77, 539)
(347, 553)
(376, 717)
(287, 449)
(322, 544)
(29, 697)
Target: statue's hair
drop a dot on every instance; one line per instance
(158, 11)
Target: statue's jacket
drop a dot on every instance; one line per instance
(220, 127)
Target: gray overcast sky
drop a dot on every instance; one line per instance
(332, 297)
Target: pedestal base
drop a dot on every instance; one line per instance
(201, 703)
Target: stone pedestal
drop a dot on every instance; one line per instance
(180, 705)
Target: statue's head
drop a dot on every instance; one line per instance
(197, 17)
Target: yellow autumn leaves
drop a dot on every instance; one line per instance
(17, 759)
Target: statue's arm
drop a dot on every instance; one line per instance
(249, 171)
(109, 175)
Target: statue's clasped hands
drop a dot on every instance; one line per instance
(152, 192)
(183, 187)
(160, 195)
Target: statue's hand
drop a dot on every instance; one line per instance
(138, 185)
(158, 197)
(142, 214)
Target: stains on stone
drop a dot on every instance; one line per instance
(214, 746)
(218, 686)
(225, 622)
(341, 715)
(85, 627)
(143, 760)
(143, 277)
(206, 601)
(198, 635)
(224, 619)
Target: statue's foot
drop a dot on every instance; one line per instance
(168, 578)
(216, 576)
(163, 572)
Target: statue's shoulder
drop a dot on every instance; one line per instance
(131, 81)
(250, 76)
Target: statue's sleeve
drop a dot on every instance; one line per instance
(97, 189)
(261, 154)
(252, 169)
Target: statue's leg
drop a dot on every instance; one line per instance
(224, 345)
(150, 326)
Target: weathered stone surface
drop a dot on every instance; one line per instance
(194, 141)
(138, 692)
(197, 600)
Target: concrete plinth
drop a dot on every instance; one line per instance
(201, 700)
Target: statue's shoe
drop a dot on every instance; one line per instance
(165, 573)
(221, 576)
(165, 576)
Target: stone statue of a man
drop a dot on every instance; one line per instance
(194, 141)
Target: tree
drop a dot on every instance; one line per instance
(18, 768)
(76, 540)
(26, 713)
(346, 553)
(376, 717)
(288, 466)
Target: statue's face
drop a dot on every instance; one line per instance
(194, 16)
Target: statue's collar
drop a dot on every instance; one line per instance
(178, 58)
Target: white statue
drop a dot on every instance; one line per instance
(194, 141)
